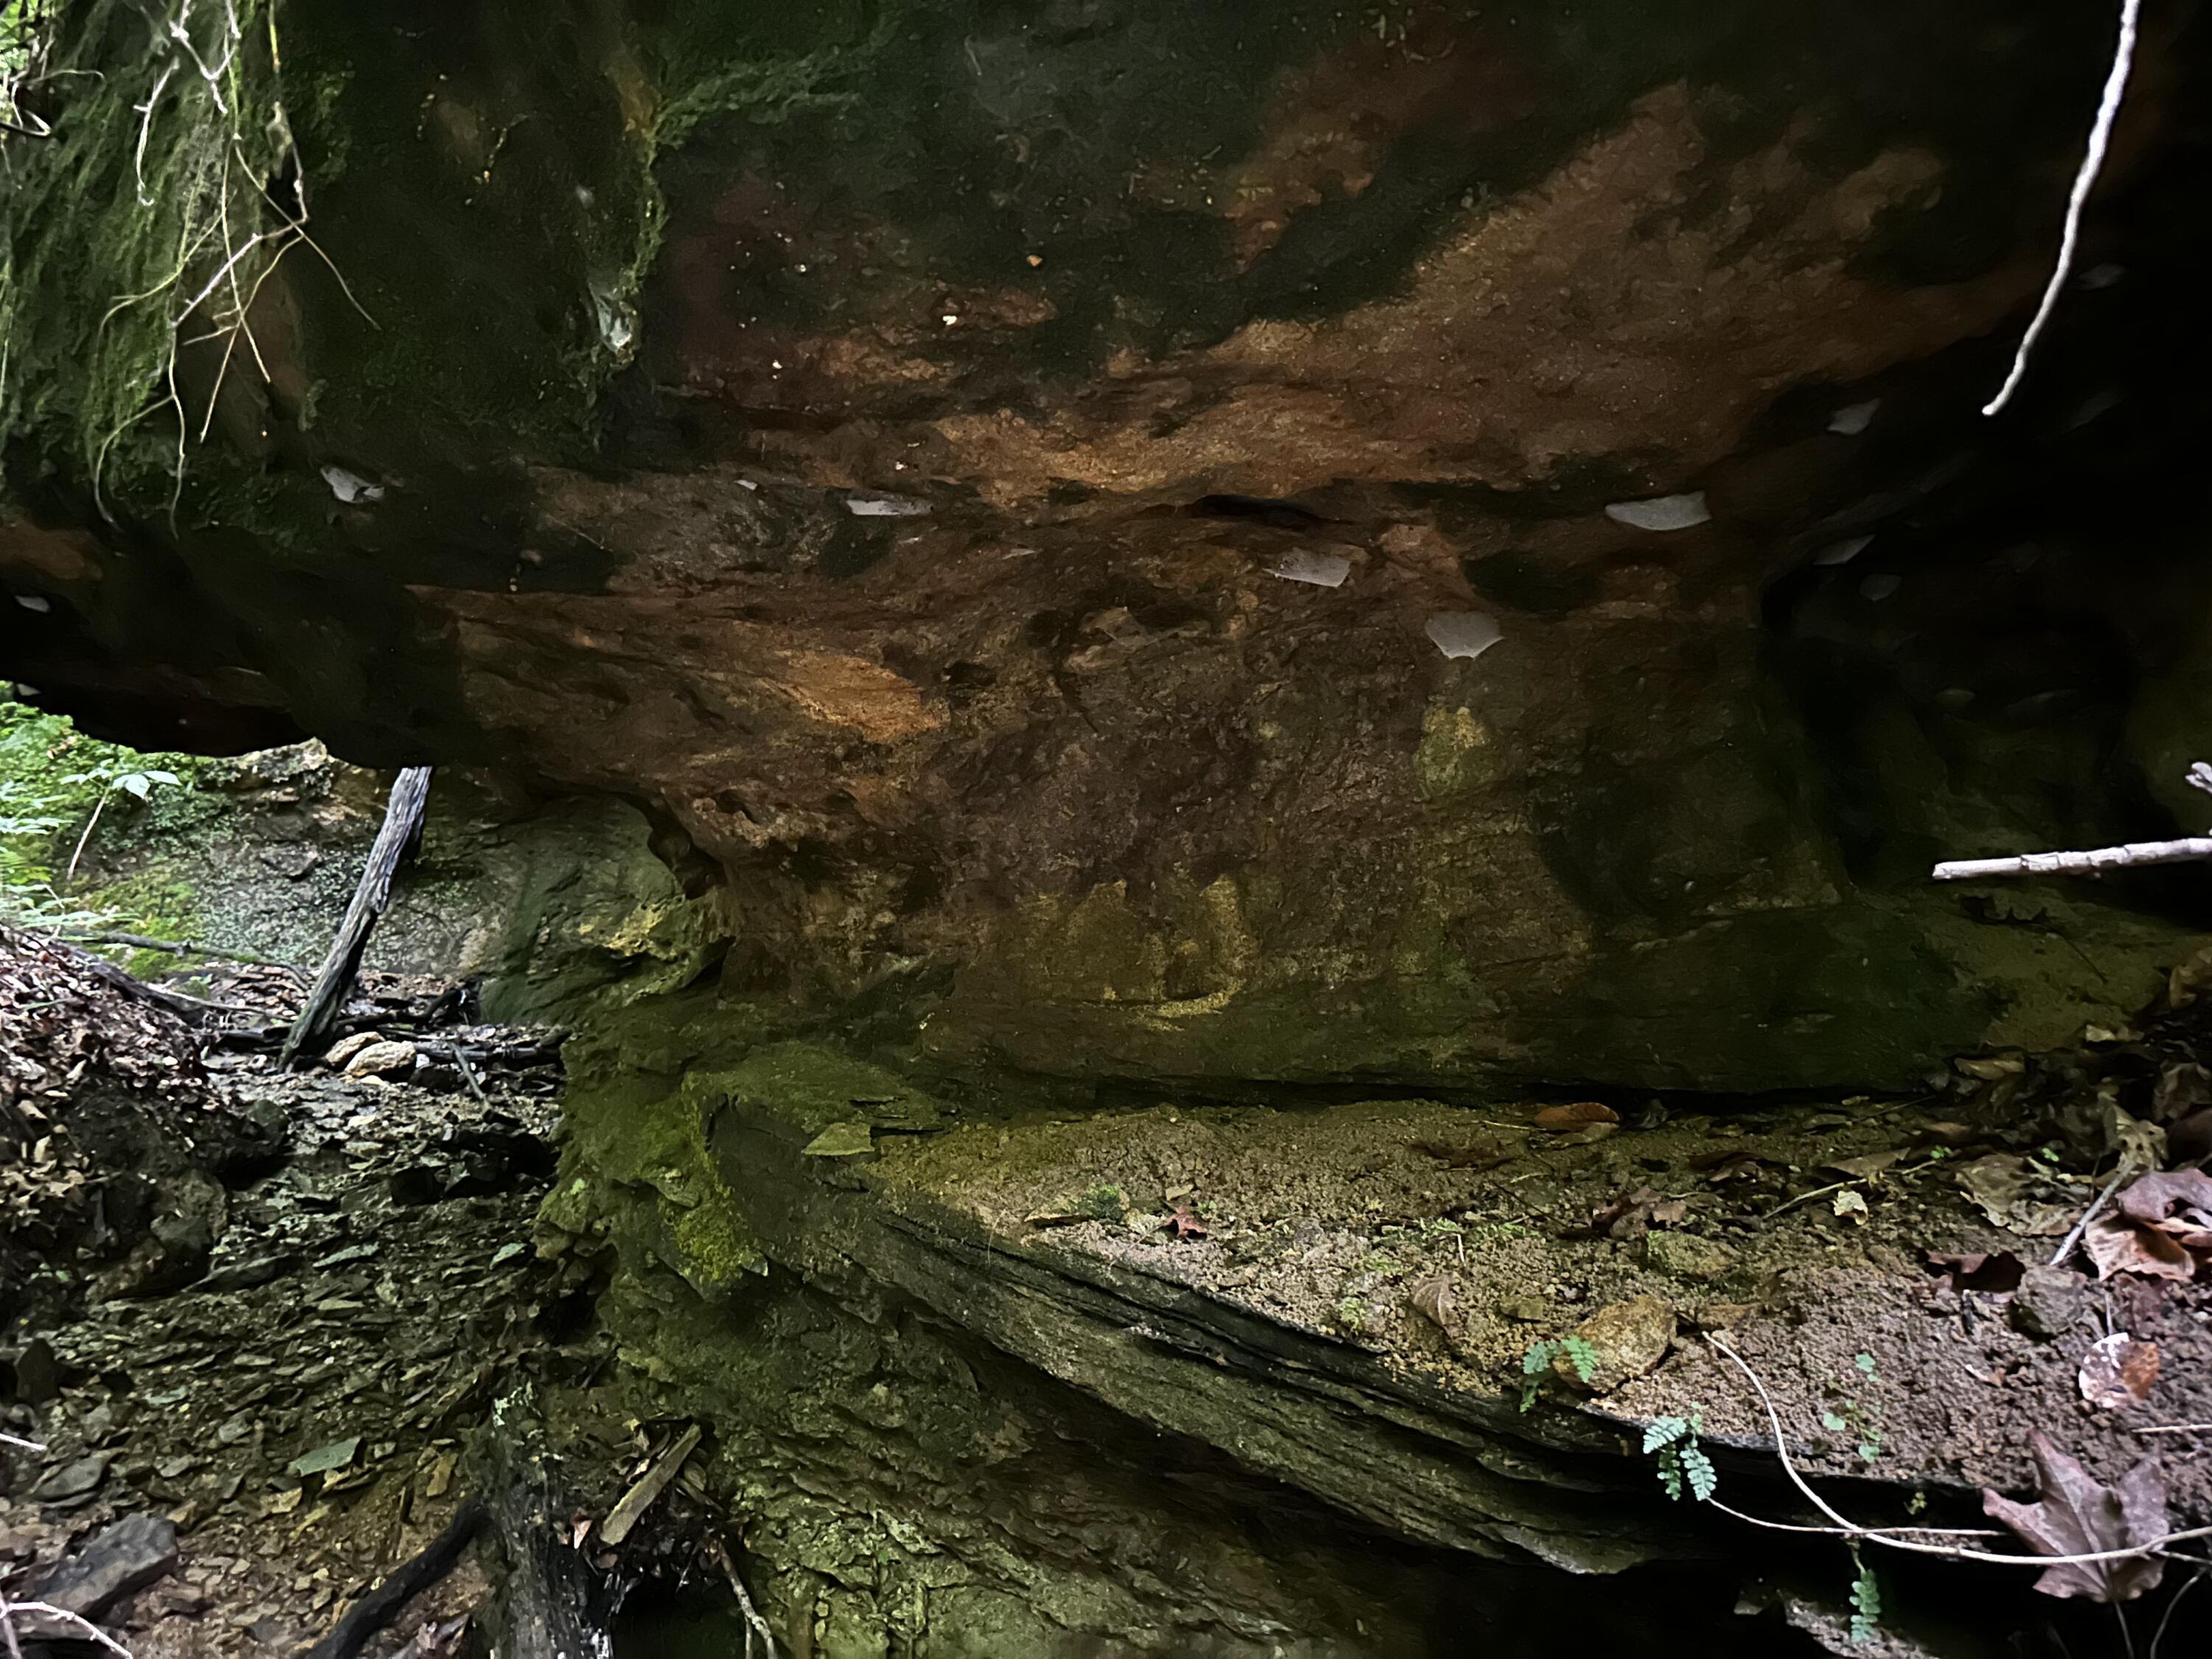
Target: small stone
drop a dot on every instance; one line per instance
(1628, 1339)
(2048, 1303)
(855, 1140)
(346, 1048)
(1685, 1255)
(72, 1482)
(1662, 512)
(119, 1561)
(382, 1060)
(1527, 1309)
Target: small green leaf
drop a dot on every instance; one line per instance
(1581, 1356)
(1832, 1421)
(1864, 1362)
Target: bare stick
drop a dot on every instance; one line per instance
(755, 1625)
(90, 824)
(2084, 180)
(18, 1442)
(402, 821)
(183, 948)
(2096, 1208)
(2094, 861)
(408, 1580)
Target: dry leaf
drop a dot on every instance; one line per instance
(1851, 1206)
(2118, 1370)
(2184, 1196)
(2072, 1515)
(1579, 1114)
(1182, 1222)
(1432, 1298)
(2118, 1245)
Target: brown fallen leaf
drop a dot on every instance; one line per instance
(2118, 1370)
(2118, 1245)
(1470, 1155)
(2073, 1514)
(1577, 1115)
(1182, 1222)
(1431, 1297)
(1993, 1272)
(1627, 1216)
(2180, 1202)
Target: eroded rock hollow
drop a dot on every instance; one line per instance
(1128, 554)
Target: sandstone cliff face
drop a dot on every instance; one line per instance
(1004, 489)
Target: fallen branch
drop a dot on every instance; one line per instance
(403, 823)
(408, 1580)
(2093, 862)
(183, 948)
(2097, 860)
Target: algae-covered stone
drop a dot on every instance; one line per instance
(1685, 1255)
(1621, 1342)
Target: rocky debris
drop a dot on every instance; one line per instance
(2049, 1303)
(293, 1413)
(1618, 1343)
(119, 1560)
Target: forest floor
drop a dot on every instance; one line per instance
(266, 1307)
(273, 1311)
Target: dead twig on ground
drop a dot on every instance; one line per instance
(2096, 1208)
(183, 948)
(408, 1580)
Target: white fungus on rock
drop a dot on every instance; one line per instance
(1464, 633)
(1321, 569)
(1661, 512)
(1854, 418)
(886, 507)
(349, 488)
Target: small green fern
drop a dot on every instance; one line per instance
(1537, 1362)
(1682, 1464)
(1866, 1599)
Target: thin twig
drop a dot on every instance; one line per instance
(18, 1442)
(2085, 179)
(2096, 1208)
(1889, 1538)
(2173, 1428)
(10, 1609)
(91, 824)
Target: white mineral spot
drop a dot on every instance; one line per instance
(350, 488)
(886, 507)
(1464, 633)
(1661, 512)
(1854, 418)
(1842, 552)
(32, 602)
(1321, 569)
(1879, 587)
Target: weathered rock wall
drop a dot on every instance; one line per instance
(872, 443)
